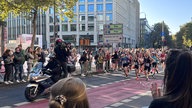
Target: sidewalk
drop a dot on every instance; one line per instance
(76, 73)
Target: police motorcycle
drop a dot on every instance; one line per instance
(42, 78)
(39, 80)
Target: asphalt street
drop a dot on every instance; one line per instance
(105, 90)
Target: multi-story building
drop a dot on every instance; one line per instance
(145, 31)
(17, 25)
(90, 17)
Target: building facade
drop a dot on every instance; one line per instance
(91, 15)
(145, 31)
(18, 25)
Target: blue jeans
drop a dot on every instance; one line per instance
(18, 70)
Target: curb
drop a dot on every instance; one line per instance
(23, 83)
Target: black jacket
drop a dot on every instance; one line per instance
(18, 58)
(61, 53)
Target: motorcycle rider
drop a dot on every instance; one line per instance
(54, 66)
(61, 54)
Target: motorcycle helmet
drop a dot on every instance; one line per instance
(59, 41)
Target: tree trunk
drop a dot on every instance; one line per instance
(34, 28)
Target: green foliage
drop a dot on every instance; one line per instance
(184, 36)
(156, 38)
(31, 7)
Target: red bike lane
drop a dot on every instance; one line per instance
(106, 95)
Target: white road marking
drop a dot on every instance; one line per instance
(6, 107)
(126, 100)
(117, 104)
(22, 103)
(135, 97)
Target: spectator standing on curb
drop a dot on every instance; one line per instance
(115, 59)
(107, 61)
(89, 62)
(18, 63)
(100, 60)
(83, 63)
(8, 63)
(22, 52)
(41, 56)
(177, 82)
(30, 58)
(74, 55)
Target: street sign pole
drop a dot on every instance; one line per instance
(163, 35)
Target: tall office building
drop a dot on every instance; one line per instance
(91, 15)
(17, 25)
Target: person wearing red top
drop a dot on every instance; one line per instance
(162, 57)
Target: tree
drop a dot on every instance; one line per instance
(2, 43)
(184, 36)
(30, 8)
(156, 36)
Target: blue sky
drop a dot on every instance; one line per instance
(173, 12)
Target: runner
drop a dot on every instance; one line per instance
(136, 66)
(154, 63)
(125, 61)
(162, 57)
(147, 64)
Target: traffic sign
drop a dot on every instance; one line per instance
(162, 33)
(116, 26)
(112, 38)
(110, 29)
(115, 31)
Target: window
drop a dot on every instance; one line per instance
(90, 0)
(74, 19)
(100, 17)
(90, 17)
(57, 28)
(51, 10)
(99, 7)
(65, 19)
(91, 8)
(109, 7)
(99, 0)
(52, 39)
(81, 0)
(81, 17)
(57, 18)
(81, 8)
(109, 17)
(73, 27)
(108, 0)
(82, 27)
(100, 27)
(50, 19)
(64, 27)
(74, 9)
(90, 27)
(51, 28)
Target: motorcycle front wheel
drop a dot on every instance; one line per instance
(31, 94)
